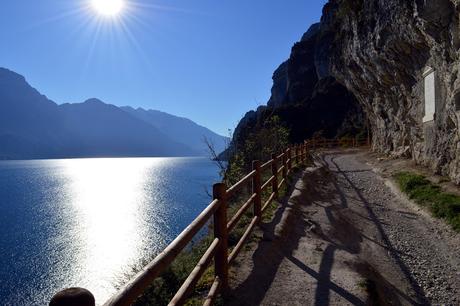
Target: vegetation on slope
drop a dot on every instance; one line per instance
(266, 137)
(441, 204)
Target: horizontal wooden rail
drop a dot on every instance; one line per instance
(240, 183)
(280, 170)
(270, 199)
(267, 183)
(145, 277)
(281, 166)
(195, 275)
(231, 224)
(212, 295)
(243, 239)
(266, 165)
(331, 143)
(281, 183)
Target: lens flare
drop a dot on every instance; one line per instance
(108, 7)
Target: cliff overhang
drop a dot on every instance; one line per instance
(401, 61)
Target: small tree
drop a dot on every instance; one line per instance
(267, 138)
(271, 137)
(220, 158)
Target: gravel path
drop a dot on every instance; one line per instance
(347, 237)
(426, 251)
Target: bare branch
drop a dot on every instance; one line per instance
(214, 156)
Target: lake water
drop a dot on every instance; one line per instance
(88, 222)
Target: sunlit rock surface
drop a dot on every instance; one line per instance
(379, 49)
(305, 103)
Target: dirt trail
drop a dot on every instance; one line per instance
(344, 237)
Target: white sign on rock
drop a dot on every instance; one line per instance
(430, 94)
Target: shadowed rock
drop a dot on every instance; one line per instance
(73, 297)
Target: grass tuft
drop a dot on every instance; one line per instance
(441, 204)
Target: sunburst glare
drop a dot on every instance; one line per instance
(109, 31)
(108, 7)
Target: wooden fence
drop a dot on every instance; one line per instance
(280, 166)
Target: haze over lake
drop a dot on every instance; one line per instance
(87, 222)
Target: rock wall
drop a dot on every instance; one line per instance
(379, 50)
(304, 103)
(296, 78)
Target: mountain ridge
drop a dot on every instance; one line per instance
(180, 129)
(34, 127)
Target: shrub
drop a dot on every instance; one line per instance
(441, 204)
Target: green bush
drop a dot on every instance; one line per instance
(441, 204)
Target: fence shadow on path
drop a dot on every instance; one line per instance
(279, 246)
(334, 167)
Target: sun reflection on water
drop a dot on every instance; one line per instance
(109, 197)
(89, 222)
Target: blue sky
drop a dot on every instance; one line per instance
(208, 60)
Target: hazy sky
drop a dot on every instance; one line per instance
(208, 60)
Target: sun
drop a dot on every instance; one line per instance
(108, 7)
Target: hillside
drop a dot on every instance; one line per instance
(101, 129)
(180, 129)
(32, 126)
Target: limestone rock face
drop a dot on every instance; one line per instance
(379, 50)
(295, 79)
(304, 103)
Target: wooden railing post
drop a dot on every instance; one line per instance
(256, 188)
(285, 165)
(220, 231)
(275, 175)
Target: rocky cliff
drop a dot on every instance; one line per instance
(379, 50)
(305, 103)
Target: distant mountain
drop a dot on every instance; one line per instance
(30, 123)
(180, 129)
(101, 129)
(32, 126)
